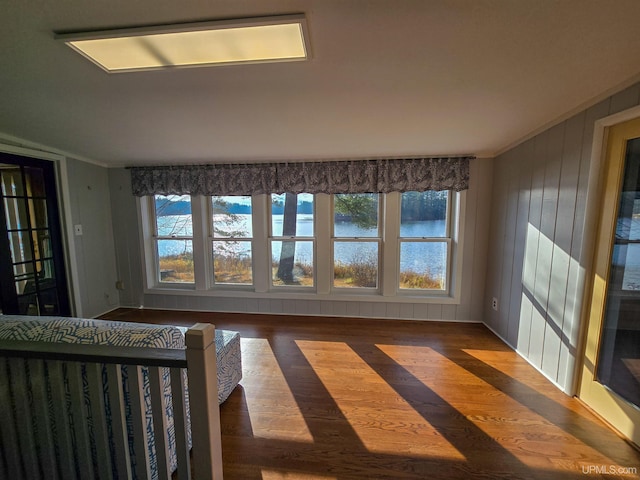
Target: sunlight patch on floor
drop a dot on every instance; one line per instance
(383, 411)
(276, 475)
(513, 365)
(527, 435)
(273, 414)
(542, 386)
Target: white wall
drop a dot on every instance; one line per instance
(126, 234)
(537, 243)
(94, 251)
(126, 228)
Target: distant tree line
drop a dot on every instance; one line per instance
(416, 206)
(419, 206)
(303, 207)
(181, 207)
(166, 207)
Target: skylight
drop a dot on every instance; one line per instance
(273, 39)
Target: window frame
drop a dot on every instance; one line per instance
(212, 238)
(447, 239)
(388, 289)
(271, 238)
(379, 240)
(157, 238)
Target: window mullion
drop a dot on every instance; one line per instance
(450, 203)
(146, 218)
(390, 250)
(323, 231)
(201, 252)
(260, 243)
(456, 245)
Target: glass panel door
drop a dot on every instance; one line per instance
(619, 352)
(32, 274)
(610, 381)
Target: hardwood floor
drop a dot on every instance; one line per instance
(339, 398)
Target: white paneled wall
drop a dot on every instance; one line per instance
(126, 238)
(537, 240)
(361, 309)
(94, 250)
(129, 267)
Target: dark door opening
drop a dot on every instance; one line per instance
(32, 271)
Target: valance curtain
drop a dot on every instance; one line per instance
(353, 176)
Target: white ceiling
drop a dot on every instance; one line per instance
(386, 78)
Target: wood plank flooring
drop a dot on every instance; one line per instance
(339, 398)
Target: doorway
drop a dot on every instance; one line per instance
(32, 272)
(610, 382)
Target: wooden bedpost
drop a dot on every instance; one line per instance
(203, 398)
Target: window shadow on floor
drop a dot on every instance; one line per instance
(337, 451)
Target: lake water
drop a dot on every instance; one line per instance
(419, 257)
(416, 256)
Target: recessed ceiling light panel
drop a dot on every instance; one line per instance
(273, 39)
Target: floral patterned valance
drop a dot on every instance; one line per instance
(353, 176)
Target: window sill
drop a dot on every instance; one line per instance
(292, 295)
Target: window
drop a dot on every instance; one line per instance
(231, 235)
(425, 240)
(346, 246)
(292, 240)
(173, 238)
(356, 240)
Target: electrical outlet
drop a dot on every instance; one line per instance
(494, 304)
